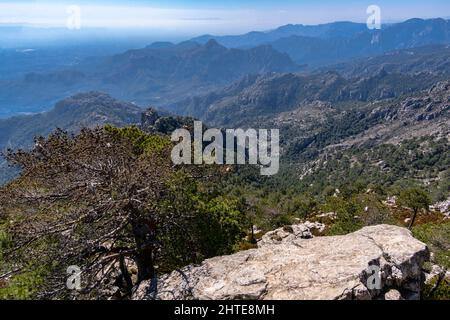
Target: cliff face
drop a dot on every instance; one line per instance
(295, 268)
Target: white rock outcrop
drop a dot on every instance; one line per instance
(443, 207)
(334, 267)
(289, 233)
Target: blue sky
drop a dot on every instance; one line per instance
(212, 16)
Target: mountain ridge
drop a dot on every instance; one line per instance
(145, 76)
(343, 41)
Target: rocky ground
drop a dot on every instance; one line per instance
(291, 264)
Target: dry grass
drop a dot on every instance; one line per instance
(400, 214)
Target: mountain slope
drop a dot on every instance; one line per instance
(391, 143)
(388, 76)
(431, 59)
(254, 97)
(71, 114)
(387, 121)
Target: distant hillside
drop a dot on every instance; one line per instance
(71, 114)
(390, 111)
(202, 63)
(391, 75)
(258, 96)
(431, 59)
(163, 73)
(153, 75)
(84, 110)
(400, 142)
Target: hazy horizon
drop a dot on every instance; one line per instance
(24, 35)
(177, 20)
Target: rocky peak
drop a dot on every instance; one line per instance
(213, 44)
(153, 122)
(148, 119)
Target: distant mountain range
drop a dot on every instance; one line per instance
(335, 42)
(380, 119)
(173, 70)
(394, 88)
(388, 76)
(369, 101)
(156, 74)
(253, 98)
(323, 31)
(163, 73)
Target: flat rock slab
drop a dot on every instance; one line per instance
(334, 267)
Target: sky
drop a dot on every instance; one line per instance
(194, 17)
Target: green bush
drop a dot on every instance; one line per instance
(441, 293)
(142, 142)
(437, 237)
(347, 215)
(22, 286)
(215, 227)
(5, 240)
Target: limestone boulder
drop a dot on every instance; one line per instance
(375, 262)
